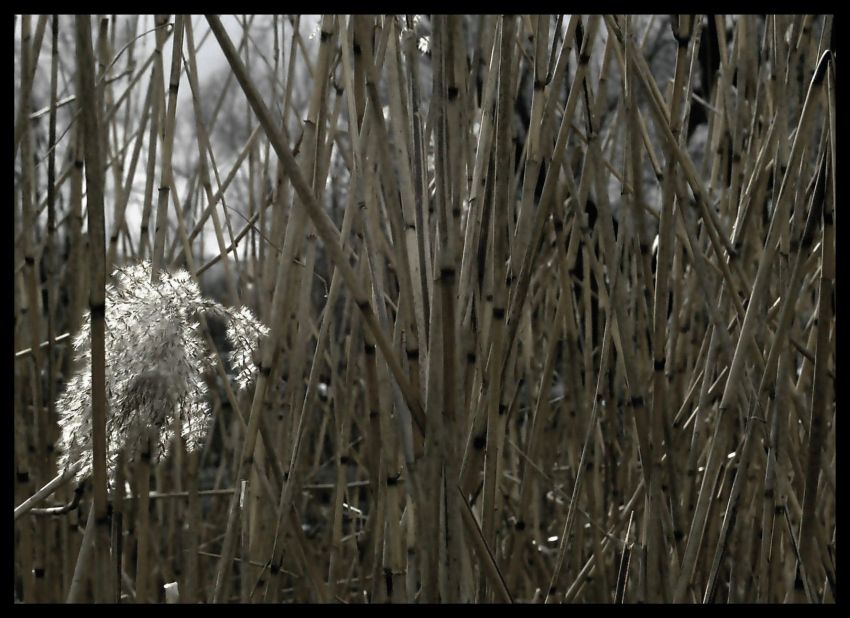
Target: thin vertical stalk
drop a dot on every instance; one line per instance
(39, 465)
(97, 304)
(167, 136)
(498, 235)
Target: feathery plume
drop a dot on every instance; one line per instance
(155, 360)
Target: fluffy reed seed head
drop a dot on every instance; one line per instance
(155, 360)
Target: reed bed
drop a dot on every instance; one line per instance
(545, 308)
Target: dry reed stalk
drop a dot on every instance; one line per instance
(40, 464)
(51, 266)
(95, 181)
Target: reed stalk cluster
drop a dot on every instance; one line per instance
(425, 309)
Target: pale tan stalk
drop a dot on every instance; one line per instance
(95, 198)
